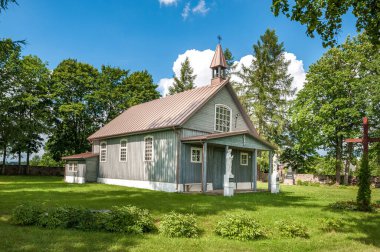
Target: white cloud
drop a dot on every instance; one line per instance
(186, 11)
(168, 2)
(296, 70)
(200, 62)
(201, 8)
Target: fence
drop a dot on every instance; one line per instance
(33, 170)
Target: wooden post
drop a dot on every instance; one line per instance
(204, 167)
(254, 170)
(270, 169)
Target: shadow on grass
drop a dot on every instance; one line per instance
(368, 226)
(20, 238)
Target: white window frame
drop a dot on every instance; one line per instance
(225, 106)
(100, 152)
(152, 149)
(73, 166)
(123, 148)
(200, 155)
(241, 158)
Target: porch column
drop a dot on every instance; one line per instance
(254, 169)
(204, 167)
(270, 169)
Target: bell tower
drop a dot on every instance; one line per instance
(218, 66)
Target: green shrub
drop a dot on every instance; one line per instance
(127, 219)
(26, 214)
(344, 205)
(179, 225)
(58, 217)
(239, 228)
(292, 229)
(331, 224)
(307, 183)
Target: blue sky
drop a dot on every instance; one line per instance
(149, 34)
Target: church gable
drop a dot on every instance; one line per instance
(219, 114)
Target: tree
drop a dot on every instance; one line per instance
(139, 88)
(4, 4)
(9, 68)
(73, 85)
(325, 17)
(31, 105)
(266, 87)
(111, 94)
(335, 97)
(185, 80)
(230, 61)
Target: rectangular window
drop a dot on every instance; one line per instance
(103, 151)
(222, 118)
(148, 154)
(123, 151)
(73, 166)
(196, 155)
(243, 158)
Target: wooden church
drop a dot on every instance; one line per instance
(176, 143)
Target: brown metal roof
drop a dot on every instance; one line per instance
(218, 59)
(81, 156)
(166, 112)
(226, 134)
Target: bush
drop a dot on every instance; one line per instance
(127, 219)
(351, 206)
(331, 224)
(292, 229)
(307, 183)
(179, 225)
(239, 228)
(26, 214)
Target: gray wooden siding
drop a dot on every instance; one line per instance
(238, 141)
(191, 132)
(92, 169)
(161, 169)
(95, 146)
(81, 169)
(204, 119)
(216, 166)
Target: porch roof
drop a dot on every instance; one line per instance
(234, 138)
(81, 156)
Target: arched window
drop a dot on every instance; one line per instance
(222, 118)
(123, 150)
(103, 152)
(148, 148)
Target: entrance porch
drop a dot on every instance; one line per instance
(203, 161)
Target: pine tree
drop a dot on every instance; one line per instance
(266, 87)
(186, 79)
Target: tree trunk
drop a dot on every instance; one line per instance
(347, 165)
(4, 158)
(338, 161)
(27, 160)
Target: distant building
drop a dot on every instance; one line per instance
(176, 143)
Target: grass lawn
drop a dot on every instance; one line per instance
(306, 204)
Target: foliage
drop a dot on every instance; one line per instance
(266, 87)
(363, 198)
(331, 224)
(325, 165)
(126, 219)
(344, 205)
(335, 97)
(292, 229)
(129, 219)
(4, 4)
(325, 17)
(239, 227)
(307, 183)
(298, 159)
(179, 225)
(26, 214)
(186, 79)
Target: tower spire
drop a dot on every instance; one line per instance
(218, 65)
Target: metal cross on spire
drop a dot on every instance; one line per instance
(219, 39)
